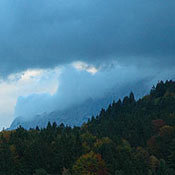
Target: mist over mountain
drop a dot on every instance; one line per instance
(77, 114)
(77, 99)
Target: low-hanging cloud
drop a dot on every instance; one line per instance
(36, 81)
(77, 84)
(44, 34)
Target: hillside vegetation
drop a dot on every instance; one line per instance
(129, 138)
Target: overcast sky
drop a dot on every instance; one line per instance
(40, 37)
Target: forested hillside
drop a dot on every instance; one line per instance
(129, 138)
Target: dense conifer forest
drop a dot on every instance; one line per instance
(130, 137)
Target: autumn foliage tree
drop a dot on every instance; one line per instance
(90, 164)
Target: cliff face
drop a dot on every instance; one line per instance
(75, 115)
(78, 114)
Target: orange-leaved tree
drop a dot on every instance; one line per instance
(90, 164)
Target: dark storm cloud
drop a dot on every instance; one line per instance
(42, 33)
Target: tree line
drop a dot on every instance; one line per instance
(130, 137)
